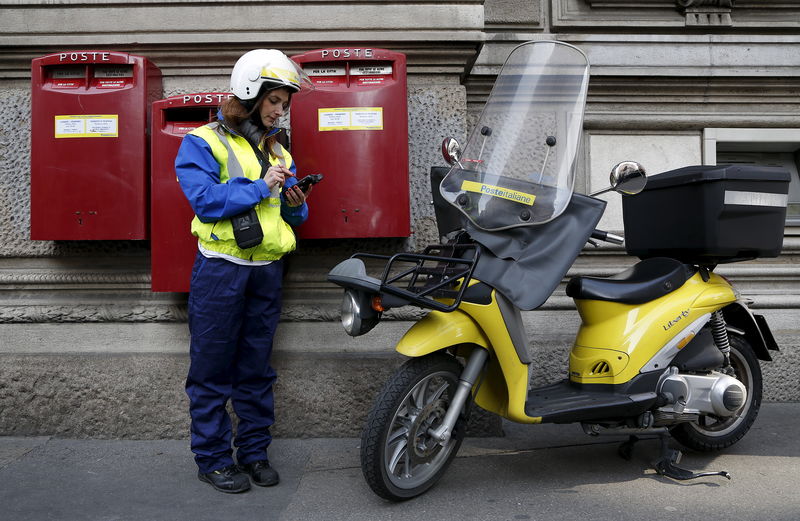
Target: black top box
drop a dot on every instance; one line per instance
(708, 215)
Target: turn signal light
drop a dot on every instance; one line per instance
(685, 341)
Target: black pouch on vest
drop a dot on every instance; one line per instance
(247, 229)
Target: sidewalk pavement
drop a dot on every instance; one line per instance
(536, 472)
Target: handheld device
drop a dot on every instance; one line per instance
(305, 183)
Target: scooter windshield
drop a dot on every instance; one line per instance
(518, 165)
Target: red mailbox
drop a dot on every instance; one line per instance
(354, 129)
(89, 146)
(172, 245)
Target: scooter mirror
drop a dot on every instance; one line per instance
(451, 150)
(628, 177)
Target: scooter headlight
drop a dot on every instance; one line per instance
(350, 319)
(358, 317)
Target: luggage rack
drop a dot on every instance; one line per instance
(421, 283)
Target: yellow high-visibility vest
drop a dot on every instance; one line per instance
(218, 235)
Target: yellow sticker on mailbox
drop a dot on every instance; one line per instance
(497, 191)
(350, 118)
(84, 125)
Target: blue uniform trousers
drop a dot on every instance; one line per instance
(233, 314)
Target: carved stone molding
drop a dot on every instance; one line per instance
(707, 12)
(86, 313)
(439, 34)
(156, 312)
(708, 17)
(82, 278)
(706, 3)
(696, 12)
(641, 4)
(752, 15)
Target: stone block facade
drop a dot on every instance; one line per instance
(87, 350)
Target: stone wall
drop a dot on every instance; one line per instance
(87, 350)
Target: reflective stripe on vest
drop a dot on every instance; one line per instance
(236, 158)
(234, 167)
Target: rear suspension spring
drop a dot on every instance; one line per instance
(720, 333)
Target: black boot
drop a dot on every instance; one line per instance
(261, 473)
(230, 479)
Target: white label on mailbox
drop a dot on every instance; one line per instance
(325, 71)
(351, 118)
(105, 125)
(367, 119)
(70, 127)
(68, 72)
(113, 71)
(334, 119)
(369, 70)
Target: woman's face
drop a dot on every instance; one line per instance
(274, 105)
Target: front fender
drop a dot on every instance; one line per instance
(440, 330)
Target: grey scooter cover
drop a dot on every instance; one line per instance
(527, 264)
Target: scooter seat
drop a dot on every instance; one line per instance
(645, 281)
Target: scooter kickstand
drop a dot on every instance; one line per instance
(625, 449)
(666, 464)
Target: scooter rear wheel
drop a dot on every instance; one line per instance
(710, 433)
(399, 458)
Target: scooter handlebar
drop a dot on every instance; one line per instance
(601, 235)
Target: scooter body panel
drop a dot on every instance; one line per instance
(616, 341)
(504, 387)
(503, 390)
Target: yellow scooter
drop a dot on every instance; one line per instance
(667, 347)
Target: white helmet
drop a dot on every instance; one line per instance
(268, 69)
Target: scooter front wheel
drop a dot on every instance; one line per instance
(399, 458)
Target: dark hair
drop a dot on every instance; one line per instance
(234, 112)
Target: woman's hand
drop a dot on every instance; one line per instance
(295, 196)
(276, 175)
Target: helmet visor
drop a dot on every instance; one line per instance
(291, 76)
